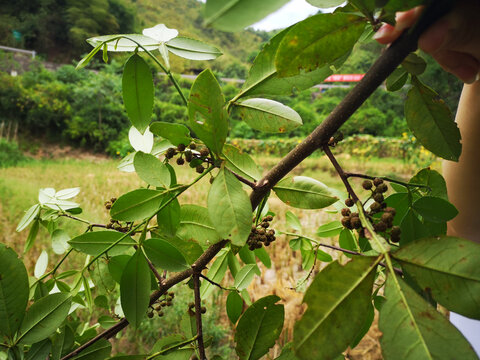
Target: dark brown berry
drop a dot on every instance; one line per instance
(204, 152)
(203, 310)
(378, 197)
(170, 153)
(261, 231)
(268, 218)
(346, 223)
(192, 146)
(212, 179)
(377, 181)
(160, 313)
(396, 230)
(391, 210)
(380, 226)
(356, 223)
(199, 169)
(346, 212)
(271, 232)
(150, 315)
(387, 217)
(181, 147)
(349, 202)
(188, 155)
(382, 188)
(191, 305)
(180, 161)
(367, 184)
(113, 199)
(169, 303)
(375, 206)
(265, 224)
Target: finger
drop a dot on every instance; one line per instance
(405, 19)
(462, 65)
(435, 36)
(386, 34)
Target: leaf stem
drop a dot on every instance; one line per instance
(164, 351)
(54, 270)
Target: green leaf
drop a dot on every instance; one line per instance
(448, 267)
(412, 228)
(137, 205)
(431, 122)
(44, 317)
(124, 42)
(366, 326)
(241, 163)
(106, 322)
(39, 350)
(259, 328)
(323, 256)
(308, 258)
(164, 255)
(116, 264)
(208, 118)
(175, 133)
(434, 180)
(264, 80)
(32, 235)
(84, 61)
(95, 242)
(235, 15)
(245, 276)
(62, 342)
(60, 240)
(247, 256)
(263, 256)
(396, 80)
(215, 273)
(304, 193)
(325, 3)
(346, 240)
(330, 325)
(135, 289)
(229, 208)
(190, 249)
(292, 221)
(29, 216)
(98, 351)
(168, 219)
(317, 41)
(137, 90)
(414, 64)
(435, 209)
(401, 203)
(196, 224)
(413, 329)
(268, 115)
(300, 243)
(234, 306)
(151, 170)
(41, 264)
(287, 353)
(330, 229)
(14, 290)
(192, 49)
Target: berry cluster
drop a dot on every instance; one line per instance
(260, 235)
(382, 224)
(191, 309)
(162, 302)
(196, 157)
(116, 225)
(109, 203)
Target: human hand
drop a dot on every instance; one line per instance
(453, 41)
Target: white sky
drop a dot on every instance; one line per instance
(289, 14)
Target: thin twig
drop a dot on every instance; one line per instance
(213, 282)
(198, 315)
(243, 180)
(364, 176)
(82, 220)
(341, 173)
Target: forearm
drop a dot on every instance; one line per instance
(463, 178)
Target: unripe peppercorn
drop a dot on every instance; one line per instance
(349, 202)
(367, 184)
(377, 181)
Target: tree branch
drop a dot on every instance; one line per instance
(198, 314)
(212, 282)
(341, 173)
(368, 177)
(243, 180)
(374, 77)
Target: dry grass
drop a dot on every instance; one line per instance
(100, 180)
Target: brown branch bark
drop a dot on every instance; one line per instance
(198, 315)
(375, 76)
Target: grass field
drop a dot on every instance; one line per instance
(99, 180)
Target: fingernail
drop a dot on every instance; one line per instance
(473, 79)
(384, 29)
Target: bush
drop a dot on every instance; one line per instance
(10, 154)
